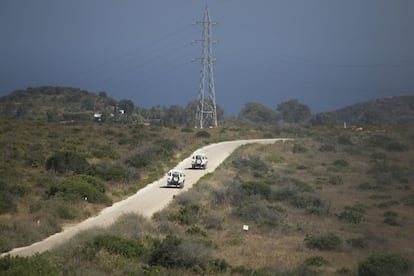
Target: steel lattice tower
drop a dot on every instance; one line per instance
(206, 114)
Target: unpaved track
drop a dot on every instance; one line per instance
(146, 201)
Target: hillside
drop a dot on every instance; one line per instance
(47, 168)
(63, 104)
(52, 104)
(334, 202)
(384, 111)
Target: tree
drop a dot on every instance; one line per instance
(127, 105)
(324, 118)
(257, 113)
(293, 111)
(173, 115)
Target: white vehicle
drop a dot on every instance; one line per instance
(199, 161)
(175, 178)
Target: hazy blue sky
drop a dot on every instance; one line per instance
(325, 53)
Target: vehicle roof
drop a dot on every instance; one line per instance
(174, 170)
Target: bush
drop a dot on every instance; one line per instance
(341, 163)
(110, 172)
(299, 148)
(327, 147)
(67, 161)
(379, 140)
(80, 187)
(305, 201)
(127, 248)
(359, 243)
(160, 150)
(256, 188)
(344, 140)
(382, 264)
(352, 214)
(220, 266)
(391, 218)
(335, 180)
(65, 212)
(276, 159)
(316, 261)
(195, 230)
(7, 202)
(202, 134)
(253, 164)
(323, 242)
(395, 146)
(166, 253)
(22, 266)
(260, 213)
(187, 215)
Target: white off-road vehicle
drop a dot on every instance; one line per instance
(175, 178)
(199, 160)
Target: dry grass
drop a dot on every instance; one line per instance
(283, 246)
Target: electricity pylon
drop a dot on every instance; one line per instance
(206, 114)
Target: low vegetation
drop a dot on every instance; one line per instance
(334, 202)
(52, 174)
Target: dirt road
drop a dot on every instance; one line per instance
(146, 201)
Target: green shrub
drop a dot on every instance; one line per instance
(65, 212)
(110, 172)
(166, 252)
(341, 163)
(379, 141)
(80, 187)
(160, 150)
(188, 129)
(140, 160)
(323, 242)
(408, 200)
(352, 214)
(219, 266)
(195, 230)
(276, 159)
(384, 264)
(127, 248)
(390, 217)
(260, 213)
(300, 185)
(335, 180)
(165, 148)
(104, 151)
(305, 201)
(35, 207)
(299, 148)
(367, 186)
(256, 188)
(7, 202)
(27, 266)
(316, 261)
(327, 148)
(67, 161)
(254, 164)
(359, 243)
(388, 203)
(187, 215)
(396, 146)
(202, 134)
(344, 139)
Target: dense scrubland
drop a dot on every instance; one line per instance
(335, 201)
